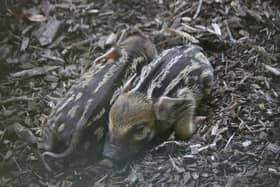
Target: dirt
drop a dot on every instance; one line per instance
(237, 145)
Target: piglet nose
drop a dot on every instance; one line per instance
(110, 152)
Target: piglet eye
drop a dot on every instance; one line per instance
(139, 128)
(140, 132)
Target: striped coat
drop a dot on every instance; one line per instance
(162, 99)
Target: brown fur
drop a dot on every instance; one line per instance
(129, 108)
(134, 120)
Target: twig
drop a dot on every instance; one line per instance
(16, 99)
(274, 171)
(261, 51)
(229, 32)
(272, 70)
(34, 72)
(170, 142)
(198, 9)
(254, 155)
(207, 147)
(180, 14)
(17, 164)
(83, 42)
(7, 113)
(229, 140)
(97, 183)
(244, 79)
(189, 28)
(178, 169)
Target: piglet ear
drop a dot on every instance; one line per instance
(128, 85)
(168, 109)
(113, 53)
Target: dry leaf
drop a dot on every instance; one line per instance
(19, 14)
(36, 14)
(36, 18)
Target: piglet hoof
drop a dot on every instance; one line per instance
(106, 163)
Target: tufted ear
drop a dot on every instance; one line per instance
(167, 109)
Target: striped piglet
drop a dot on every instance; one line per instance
(162, 100)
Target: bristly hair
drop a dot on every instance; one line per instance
(130, 100)
(141, 97)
